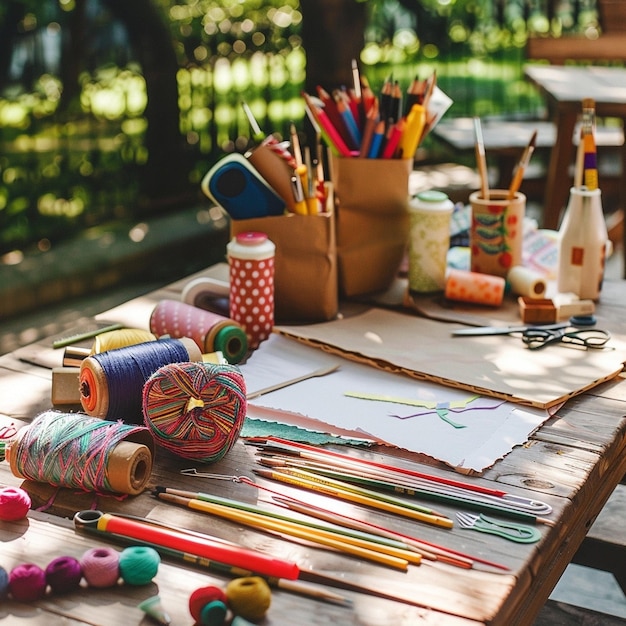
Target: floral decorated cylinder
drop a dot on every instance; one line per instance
(496, 231)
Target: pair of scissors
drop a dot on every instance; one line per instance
(587, 338)
(520, 533)
(504, 330)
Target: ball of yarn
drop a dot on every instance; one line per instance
(100, 567)
(195, 410)
(203, 596)
(249, 597)
(64, 574)
(4, 583)
(27, 582)
(213, 614)
(14, 504)
(139, 565)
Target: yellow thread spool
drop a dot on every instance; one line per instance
(250, 597)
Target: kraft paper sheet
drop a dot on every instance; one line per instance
(499, 366)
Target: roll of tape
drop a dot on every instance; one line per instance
(526, 282)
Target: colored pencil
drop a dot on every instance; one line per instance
(327, 487)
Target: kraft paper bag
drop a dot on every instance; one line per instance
(371, 203)
(305, 266)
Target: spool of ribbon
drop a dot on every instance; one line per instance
(121, 338)
(77, 451)
(111, 383)
(210, 331)
(474, 287)
(195, 410)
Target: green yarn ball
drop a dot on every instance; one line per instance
(139, 565)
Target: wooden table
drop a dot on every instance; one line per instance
(564, 88)
(573, 462)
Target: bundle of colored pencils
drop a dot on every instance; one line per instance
(356, 122)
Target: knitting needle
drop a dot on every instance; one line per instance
(349, 545)
(521, 167)
(481, 159)
(300, 479)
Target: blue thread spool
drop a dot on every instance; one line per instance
(111, 383)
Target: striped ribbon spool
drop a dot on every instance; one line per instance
(210, 331)
(195, 410)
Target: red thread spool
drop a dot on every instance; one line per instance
(14, 504)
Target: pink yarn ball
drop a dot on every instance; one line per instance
(64, 574)
(101, 567)
(14, 504)
(27, 582)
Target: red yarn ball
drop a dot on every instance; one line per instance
(27, 582)
(14, 504)
(201, 597)
(64, 574)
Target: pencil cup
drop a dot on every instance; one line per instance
(429, 240)
(496, 231)
(251, 266)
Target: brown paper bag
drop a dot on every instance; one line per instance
(305, 267)
(371, 200)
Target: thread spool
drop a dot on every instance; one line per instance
(526, 282)
(195, 410)
(101, 567)
(77, 451)
(27, 582)
(111, 383)
(474, 287)
(14, 504)
(64, 574)
(210, 331)
(206, 293)
(121, 338)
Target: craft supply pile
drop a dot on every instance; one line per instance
(347, 312)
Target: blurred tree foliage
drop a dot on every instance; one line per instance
(115, 108)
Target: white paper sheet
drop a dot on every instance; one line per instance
(492, 427)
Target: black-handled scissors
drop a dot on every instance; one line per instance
(588, 338)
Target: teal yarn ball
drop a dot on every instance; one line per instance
(139, 565)
(213, 614)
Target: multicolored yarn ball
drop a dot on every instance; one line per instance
(27, 582)
(101, 567)
(195, 410)
(4, 584)
(203, 596)
(139, 565)
(14, 504)
(249, 597)
(213, 614)
(64, 574)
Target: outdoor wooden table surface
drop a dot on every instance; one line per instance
(565, 87)
(573, 463)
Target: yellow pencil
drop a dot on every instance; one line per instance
(386, 555)
(326, 486)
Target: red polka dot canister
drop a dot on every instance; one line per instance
(251, 263)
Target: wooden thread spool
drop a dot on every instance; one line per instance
(128, 462)
(96, 395)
